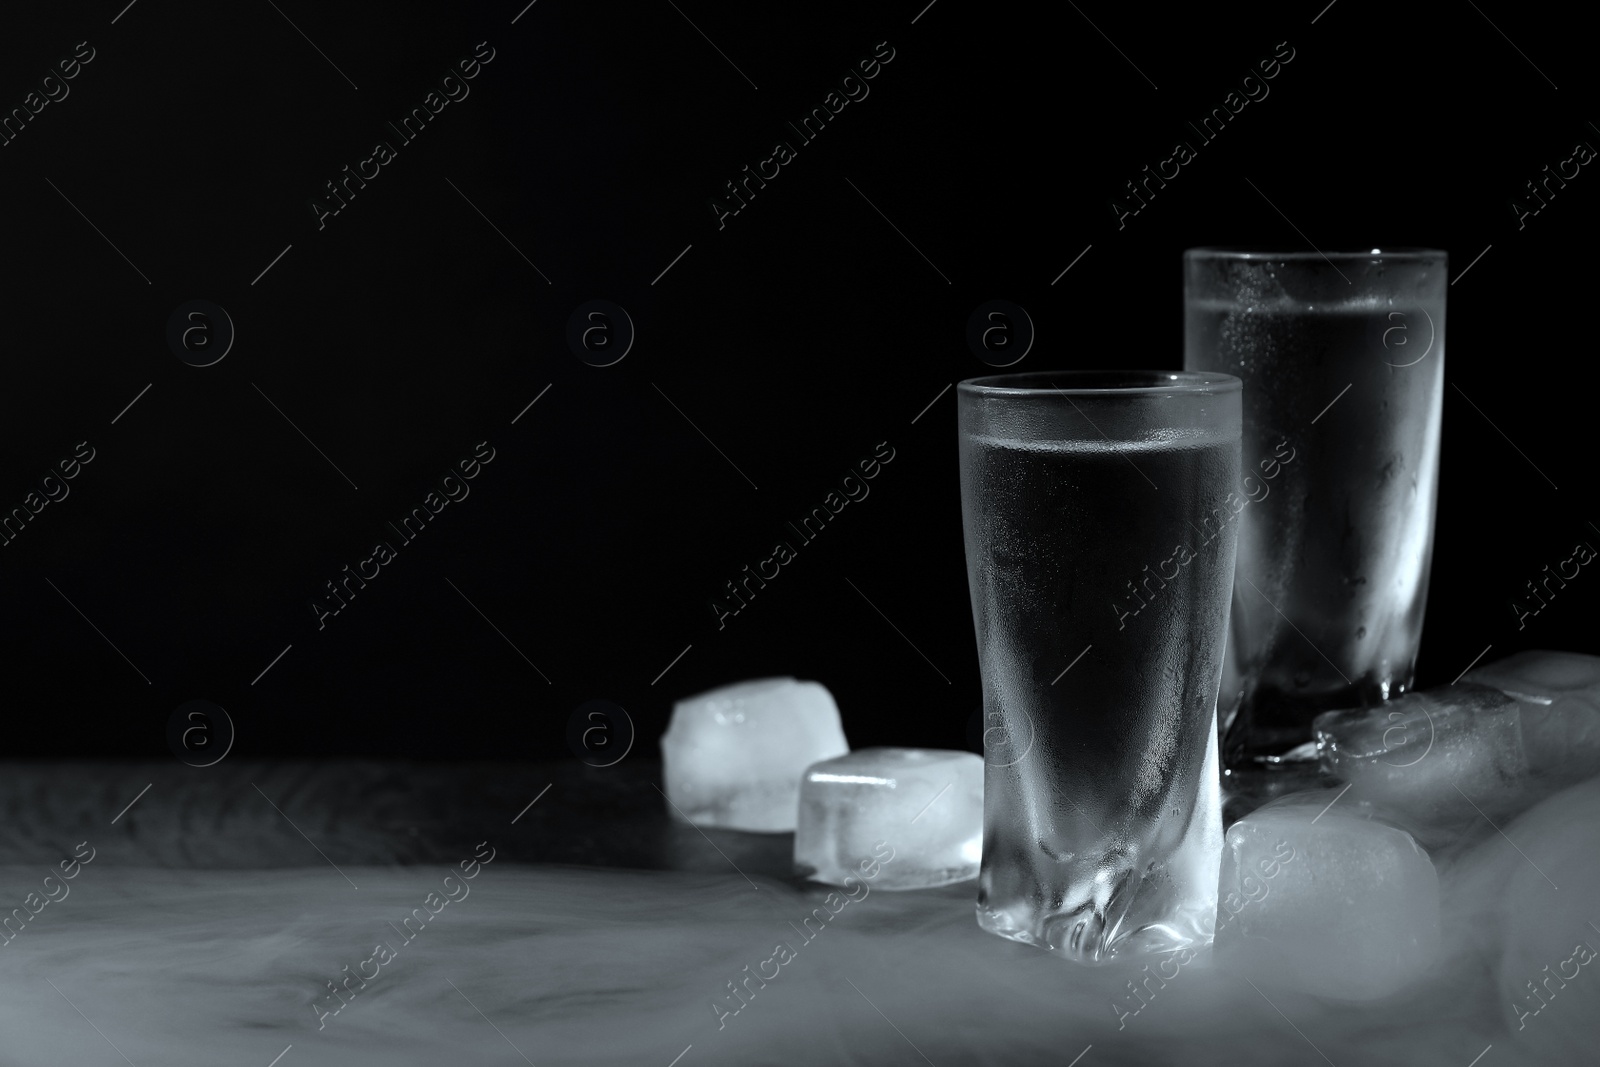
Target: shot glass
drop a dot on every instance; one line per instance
(1100, 553)
(1342, 358)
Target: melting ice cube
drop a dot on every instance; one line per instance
(733, 756)
(1560, 697)
(1549, 940)
(925, 804)
(1318, 895)
(1440, 761)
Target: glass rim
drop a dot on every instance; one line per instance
(1155, 383)
(1396, 254)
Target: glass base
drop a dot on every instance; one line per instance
(1271, 724)
(1081, 936)
(1146, 887)
(1255, 782)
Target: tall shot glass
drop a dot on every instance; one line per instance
(1342, 358)
(1100, 580)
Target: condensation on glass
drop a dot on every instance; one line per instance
(1100, 567)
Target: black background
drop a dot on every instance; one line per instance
(796, 338)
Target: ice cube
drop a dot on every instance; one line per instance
(1319, 895)
(925, 804)
(1437, 761)
(1549, 966)
(1560, 697)
(733, 756)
